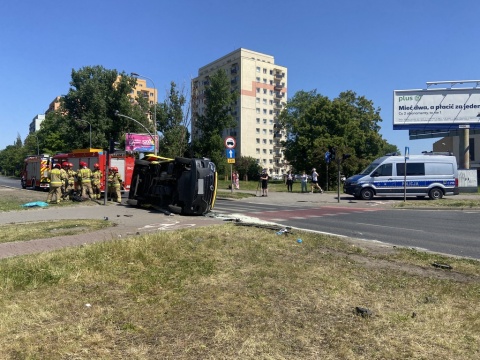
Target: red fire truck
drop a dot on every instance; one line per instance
(35, 172)
(124, 162)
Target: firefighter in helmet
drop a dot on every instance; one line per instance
(64, 172)
(96, 178)
(114, 184)
(71, 174)
(84, 176)
(56, 181)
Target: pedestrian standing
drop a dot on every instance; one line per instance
(56, 180)
(304, 182)
(264, 179)
(315, 181)
(234, 179)
(237, 180)
(289, 181)
(96, 179)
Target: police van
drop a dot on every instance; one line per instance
(419, 175)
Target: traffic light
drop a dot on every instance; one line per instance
(113, 146)
(331, 149)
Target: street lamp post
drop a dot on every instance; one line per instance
(90, 130)
(117, 113)
(154, 109)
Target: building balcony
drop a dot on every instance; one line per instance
(279, 95)
(278, 86)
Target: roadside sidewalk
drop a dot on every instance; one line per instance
(129, 221)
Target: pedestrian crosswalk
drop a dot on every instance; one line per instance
(289, 213)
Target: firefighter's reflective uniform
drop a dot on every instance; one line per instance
(96, 178)
(71, 174)
(63, 188)
(56, 180)
(84, 175)
(114, 183)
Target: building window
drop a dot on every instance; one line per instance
(264, 91)
(257, 100)
(257, 150)
(257, 79)
(271, 72)
(264, 141)
(258, 69)
(264, 71)
(265, 111)
(258, 141)
(264, 131)
(270, 132)
(258, 120)
(265, 121)
(257, 130)
(264, 101)
(271, 142)
(258, 90)
(264, 81)
(258, 110)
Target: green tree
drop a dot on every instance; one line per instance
(247, 165)
(216, 119)
(94, 96)
(11, 158)
(349, 123)
(172, 122)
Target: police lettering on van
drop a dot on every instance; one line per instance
(426, 175)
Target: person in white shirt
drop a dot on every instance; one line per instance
(315, 181)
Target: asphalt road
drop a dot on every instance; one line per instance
(444, 231)
(453, 232)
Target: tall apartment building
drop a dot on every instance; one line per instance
(262, 89)
(35, 124)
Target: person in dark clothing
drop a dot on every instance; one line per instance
(264, 178)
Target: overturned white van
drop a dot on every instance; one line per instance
(426, 175)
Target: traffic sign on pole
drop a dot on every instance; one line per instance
(230, 153)
(230, 142)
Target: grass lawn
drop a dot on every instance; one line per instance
(236, 292)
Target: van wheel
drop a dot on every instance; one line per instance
(366, 194)
(435, 194)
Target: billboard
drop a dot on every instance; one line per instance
(140, 142)
(436, 108)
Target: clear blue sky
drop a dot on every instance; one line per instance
(369, 46)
